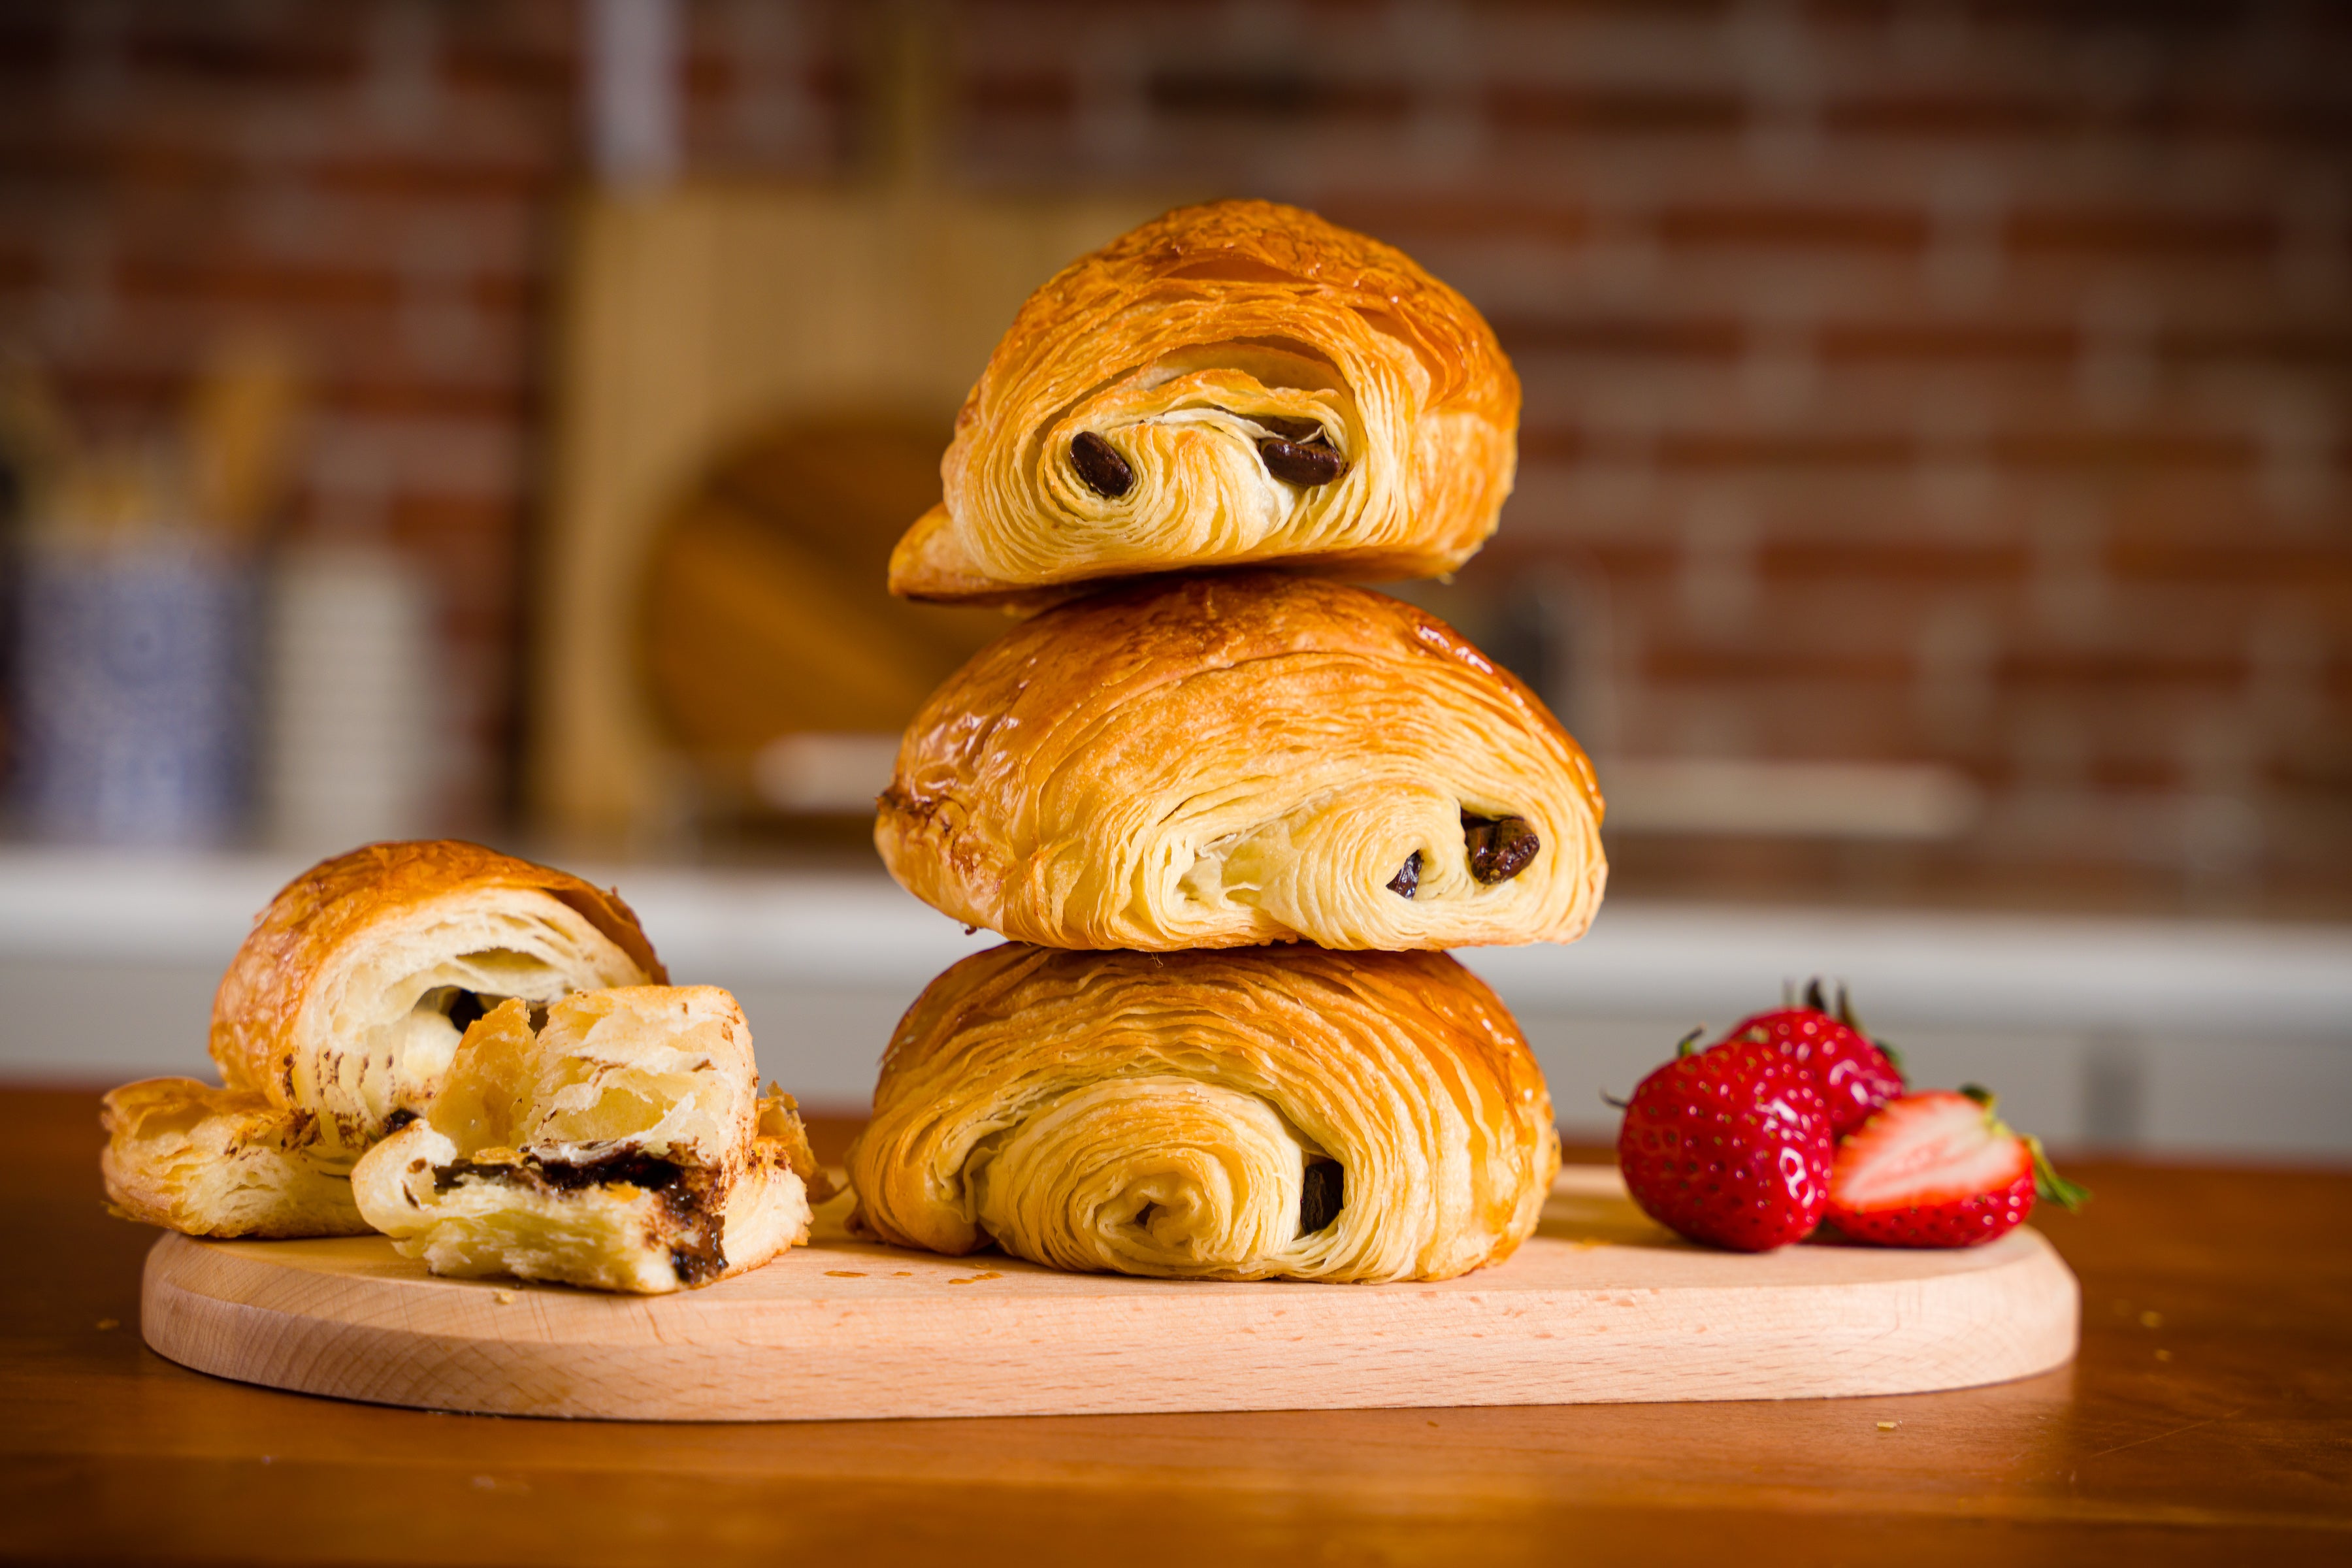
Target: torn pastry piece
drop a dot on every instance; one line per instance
(622, 1144)
(1253, 1114)
(221, 1162)
(1222, 761)
(340, 1014)
(1235, 383)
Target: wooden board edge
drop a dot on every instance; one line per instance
(1941, 1343)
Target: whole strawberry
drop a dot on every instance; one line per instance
(1940, 1169)
(1854, 1073)
(1729, 1145)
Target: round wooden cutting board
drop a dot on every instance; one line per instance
(1600, 1305)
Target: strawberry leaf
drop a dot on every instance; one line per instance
(2051, 1187)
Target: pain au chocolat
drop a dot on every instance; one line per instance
(339, 1015)
(622, 1144)
(1222, 761)
(1234, 1115)
(1235, 383)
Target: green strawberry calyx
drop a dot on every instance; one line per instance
(2048, 1185)
(2051, 1187)
(1844, 1012)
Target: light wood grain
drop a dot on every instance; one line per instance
(1600, 1306)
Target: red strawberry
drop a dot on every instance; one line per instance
(1940, 1168)
(1855, 1074)
(1730, 1145)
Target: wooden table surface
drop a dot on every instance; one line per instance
(2209, 1419)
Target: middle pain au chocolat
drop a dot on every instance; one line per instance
(1227, 761)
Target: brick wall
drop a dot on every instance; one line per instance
(1964, 384)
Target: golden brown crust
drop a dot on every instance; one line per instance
(1172, 344)
(1157, 1114)
(273, 976)
(1228, 760)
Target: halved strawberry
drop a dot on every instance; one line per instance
(1940, 1168)
(1854, 1073)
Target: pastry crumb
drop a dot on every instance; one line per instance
(1888, 1426)
(106, 1323)
(502, 1297)
(843, 1274)
(2152, 1320)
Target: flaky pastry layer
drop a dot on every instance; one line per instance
(1272, 1114)
(206, 1160)
(1223, 761)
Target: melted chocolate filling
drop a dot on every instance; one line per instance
(1300, 463)
(1407, 882)
(468, 1007)
(1098, 463)
(1322, 1197)
(694, 1251)
(1500, 847)
(398, 1120)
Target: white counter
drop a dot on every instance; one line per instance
(2169, 1035)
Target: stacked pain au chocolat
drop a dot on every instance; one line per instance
(1228, 809)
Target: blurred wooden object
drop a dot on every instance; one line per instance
(695, 321)
(763, 614)
(242, 426)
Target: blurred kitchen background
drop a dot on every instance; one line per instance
(1934, 501)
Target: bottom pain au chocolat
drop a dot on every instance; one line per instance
(1257, 1113)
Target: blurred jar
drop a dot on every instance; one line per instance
(133, 689)
(355, 748)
